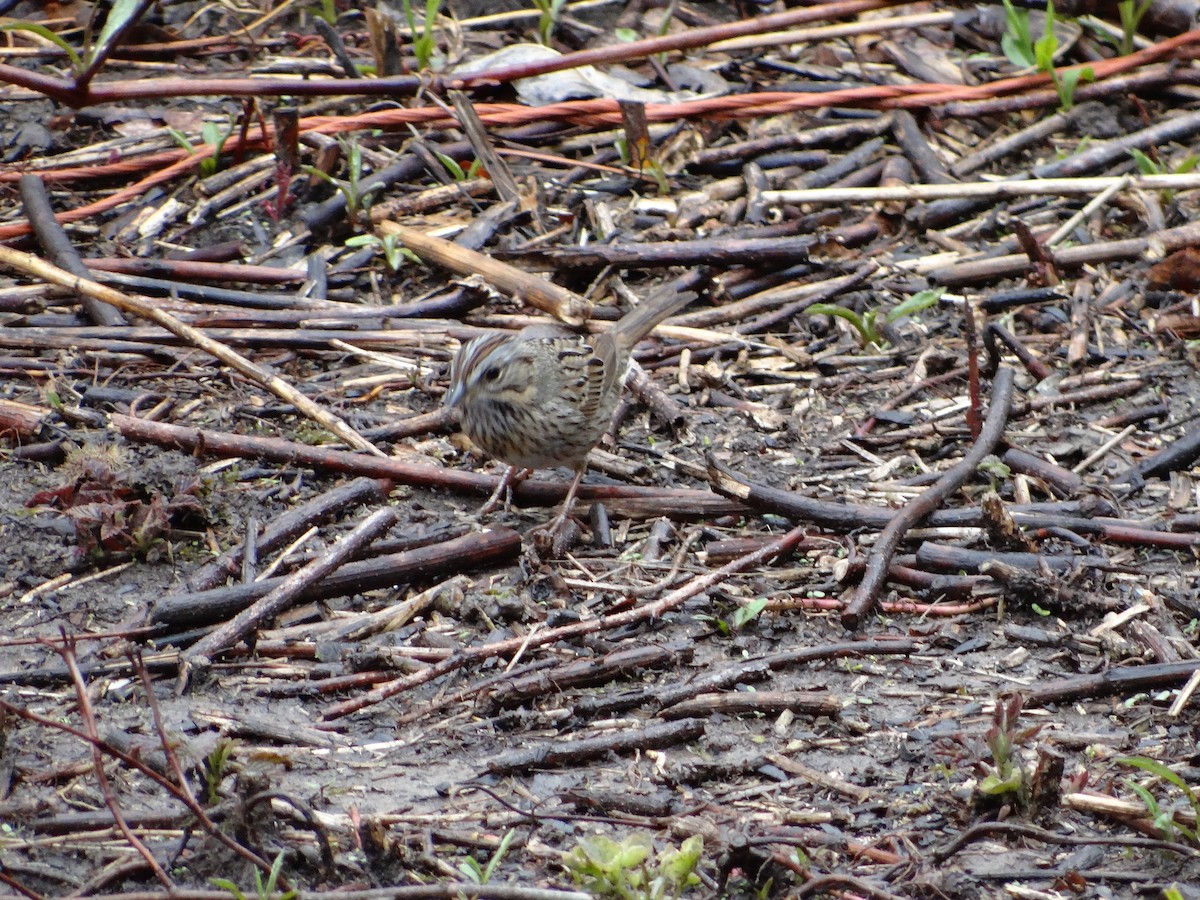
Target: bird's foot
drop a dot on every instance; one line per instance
(512, 477)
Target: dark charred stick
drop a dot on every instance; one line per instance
(720, 251)
(1032, 136)
(1150, 638)
(835, 171)
(87, 715)
(842, 517)
(459, 554)
(1179, 455)
(1042, 267)
(825, 136)
(291, 523)
(771, 703)
(824, 292)
(1095, 394)
(942, 557)
(942, 212)
(847, 517)
(1167, 76)
(864, 596)
(1015, 264)
(690, 37)
(1134, 415)
(1116, 680)
(724, 550)
(58, 247)
(209, 294)
(663, 407)
(865, 177)
(481, 143)
(917, 150)
(757, 210)
(586, 672)
(193, 270)
(1021, 830)
(790, 159)
(756, 669)
(904, 396)
(993, 332)
(287, 591)
(337, 46)
(1064, 482)
(440, 421)
(897, 171)
(934, 584)
(565, 753)
(408, 168)
(1003, 300)
(971, 340)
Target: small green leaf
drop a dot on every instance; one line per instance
(452, 166)
(1145, 164)
(181, 139)
(918, 302)
(746, 614)
(1017, 42)
(996, 784)
(470, 868)
(1043, 52)
(1017, 53)
(678, 867)
(52, 37)
(1154, 767)
(120, 16)
(226, 885)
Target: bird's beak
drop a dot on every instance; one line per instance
(453, 396)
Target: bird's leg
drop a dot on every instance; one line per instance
(512, 477)
(557, 522)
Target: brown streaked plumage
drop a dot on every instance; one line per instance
(543, 397)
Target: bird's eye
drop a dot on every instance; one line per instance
(491, 373)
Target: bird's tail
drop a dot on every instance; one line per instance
(662, 302)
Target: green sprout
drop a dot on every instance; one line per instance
(1005, 776)
(394, 253)
(325, 9)
(263, 890)
(216, 767)
(649, 163)
(358, 198)
(747, 613)
(456, 170)
(1131, 13)
(210, 134)
(1024, 52)
(1151, 165)
(1164, 820)
(867, 324)
(424, 43)
(628, 870)
(548, 13)
(483, 874)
